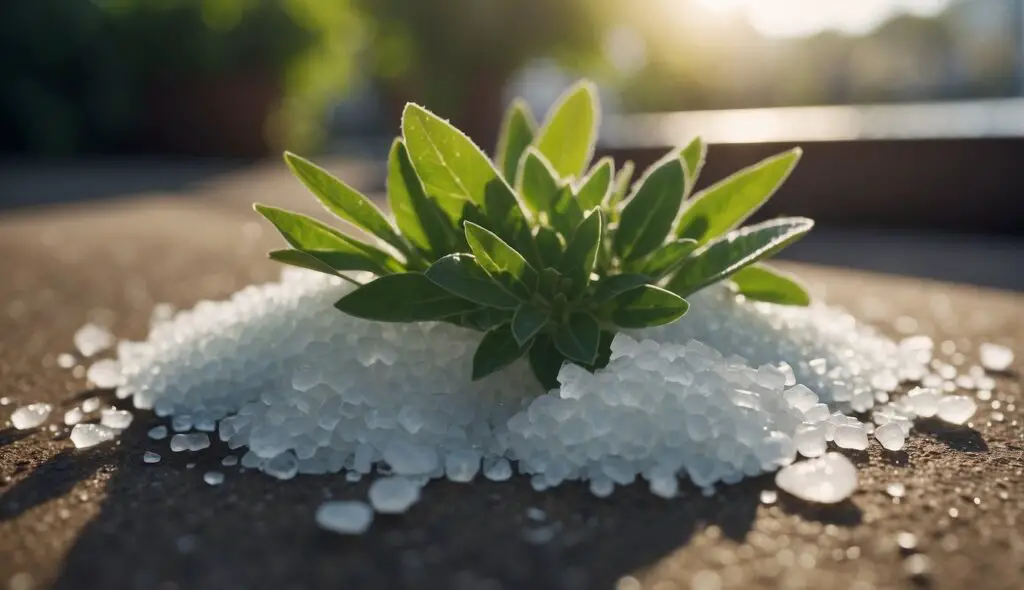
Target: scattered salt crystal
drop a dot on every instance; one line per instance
(162, 312)
(92, 338)
(827, 479)
(89, 435)
(917, 564)
(923, 402)
(197, 441)
(850, 437)
(497, 469)
(816, 413)
(65, 360)
(906, 541)
(181, 423)
(105, 373)
(251, 460)
(462, 466)
(535, 514)
(393, 495)
(229, 461)
(406, 458)
(810, 440)
(801, 397)
(896, 489)
(91, 404)
(891, 436)
(73, 416)
(665, 486)
(179, 443)
(769, 496)
(283, 466)
(213, 478)
(344, 517)
(205, 424)
(116, 419)
(956, 409)
(353, 476)
(30, 416)
(602, 487)
(995, 357)
(157, 433)
(150, 457)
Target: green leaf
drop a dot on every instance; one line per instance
(647, 218)
(460, 275)
(666, 259)
(421, 219)
(546, 361)
(610, 286)
(330, 246)
(644, 307)
(517, 131)
(501, 261)
(407, 297)
(497, 350)
(581, 254)
(550, 245)
(578, 338)
(593, 189)
(486, 318)
(763, 283)
(344, 201)
(569, 133)
(566, 213)
(735, 250)
(538, 183)
(302, 259)
(621, 187)
(728, 203)
(693, 156)
(528, 321)
(451, 165)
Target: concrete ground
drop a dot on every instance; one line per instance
(100, 518)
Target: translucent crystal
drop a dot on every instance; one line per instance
(30, 416)
(344, 517)
(828, 479)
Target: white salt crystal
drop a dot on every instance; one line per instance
(462, 466)
(406, 458)
(602, 487)
(816, 413)
(229, 461)
(828, 479)
(497, 469)
(850, 437)
(116, 419)
(801, 397)
(891, 436)
(535, 514)
(179, 443)
(91, 405)
(393, 495)
(162, 312)
(956, 409)
(197, 441)
(896, 489)
(73, 416)
(157, 433)
(92, 338)
(65, 360)
(89, 435)
(213, 478)
(995, 357)
(181, 423)
(922, 402)
(664, 486)
(769, 496)
(283, 466)
(30, 416)
(105, 373)
(344, 517)
(810, 440)
(251, 460)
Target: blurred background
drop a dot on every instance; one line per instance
(910, 112)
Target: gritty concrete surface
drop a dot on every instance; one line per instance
(101, 518)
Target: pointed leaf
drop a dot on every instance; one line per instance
(643, 307)
(538, 183)
(406, 297)
(693, 156)
(421, 219)
(593, 189)
(621, 186)
(728, 203)
(332, 247)
(764, 283)
(546, 361)
(648, 216)
(735, 250)
(610, 286)
(517, 131)
(497, 350)
(344, 201)
(581, 253)
(486, 318)
(550, 244)
(460, 275)
(565, 212)
(578, 338)
(501, 261)
(569, 133)
(666, 259)
(301, 259)
(528, 321)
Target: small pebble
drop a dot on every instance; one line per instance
(344, 517)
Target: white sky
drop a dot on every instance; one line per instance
(795, 18)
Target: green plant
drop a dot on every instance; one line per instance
(546, 253)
